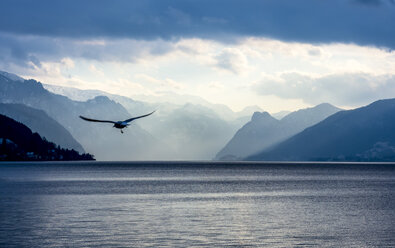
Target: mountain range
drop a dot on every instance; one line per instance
(264, 130)
(187, 131)
(190, 128)
(197, 129)
(102, 140)
(362, 134)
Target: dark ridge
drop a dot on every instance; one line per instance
(19, 143)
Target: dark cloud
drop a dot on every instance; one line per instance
(28, 50)
(13, 50)
(372, 22)
(369, 2)
(374, 2)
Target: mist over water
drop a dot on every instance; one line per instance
(196, 205)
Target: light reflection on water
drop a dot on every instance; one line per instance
(121, 205)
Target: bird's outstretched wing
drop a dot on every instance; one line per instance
(138, 117)
(89, 119)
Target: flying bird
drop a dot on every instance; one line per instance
(118, 124)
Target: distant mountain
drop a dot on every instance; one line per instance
(166, 102)
(264, 131)
(18, 142)
(101, 139)
(38, 121)
(362, 134)
(186, 130)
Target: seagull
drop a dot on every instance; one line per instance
(118, 124)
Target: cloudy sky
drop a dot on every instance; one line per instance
(277, 54)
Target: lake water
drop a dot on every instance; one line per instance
(157, 204)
